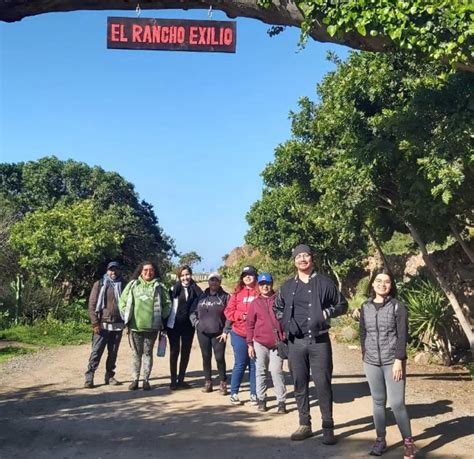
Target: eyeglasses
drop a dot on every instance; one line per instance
(302, 255)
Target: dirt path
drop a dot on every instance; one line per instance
(45, 413)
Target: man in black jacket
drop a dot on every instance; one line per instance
(304, 306)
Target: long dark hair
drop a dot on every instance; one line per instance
(240, 285)
(139, 269)
(393, 286)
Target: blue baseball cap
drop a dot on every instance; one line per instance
(265, 277)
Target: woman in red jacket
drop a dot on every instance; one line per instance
(236, 311)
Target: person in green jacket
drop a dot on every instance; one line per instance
(144, 304)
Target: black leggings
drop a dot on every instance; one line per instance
(208, 342)
(181, 340)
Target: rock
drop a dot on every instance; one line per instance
(349, 334)
(422, 358)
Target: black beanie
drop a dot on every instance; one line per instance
(302, 248)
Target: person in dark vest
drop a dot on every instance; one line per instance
(304, 306)
(383, 339)
(184, 294)
(107, 324)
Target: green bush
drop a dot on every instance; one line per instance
(399, 244)
(360, 294)
(74, 312)
(49, 332)
(430, 316)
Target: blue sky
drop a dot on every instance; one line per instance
(191, 131)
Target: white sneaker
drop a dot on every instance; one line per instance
(234, 399)
(253, 400)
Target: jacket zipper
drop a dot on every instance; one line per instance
(378, 334)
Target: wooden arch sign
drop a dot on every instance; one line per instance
(171, 34)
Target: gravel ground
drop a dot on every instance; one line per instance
(45, 413)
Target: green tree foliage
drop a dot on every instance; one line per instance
(386, 148)
(280, 269)
(442, 30)
(189, 258)
(75, 218)
(67, 242)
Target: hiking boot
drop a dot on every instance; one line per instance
(409, 450)
(207, 387)
(146, 385)
(235, 400)
(253, 400)
(223, 388)
(133, 385)
(89, 385)
(302, 433)
(112, 381)
(328, 436)
(183, 385)
(281, 408)
(379, 447)
(261, 405)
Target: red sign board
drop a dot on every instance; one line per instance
(171, 34)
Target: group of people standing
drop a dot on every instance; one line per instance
(261, 324)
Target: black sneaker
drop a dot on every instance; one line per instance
(328, 436)
(112, 381)
(262, 405)
(133, 385)
(89, 385)
(281, 408)
(174, 386)
(302, 433)
(182, 385)
(146, 385)
(380, 445)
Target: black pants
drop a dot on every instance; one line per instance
(208, 342)
(181, 341)
(109, 339)
(314, 354)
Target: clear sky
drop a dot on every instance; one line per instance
(191, 131)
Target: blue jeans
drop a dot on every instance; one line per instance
(241, 362)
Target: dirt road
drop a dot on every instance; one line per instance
(45, 413)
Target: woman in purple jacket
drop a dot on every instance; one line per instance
(263, 332)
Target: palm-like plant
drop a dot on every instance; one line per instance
(430, 317)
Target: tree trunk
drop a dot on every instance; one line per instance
(336, 275)
(378, 247)
(285, 13)
(461, 241)
(443, 284)
(18, 296)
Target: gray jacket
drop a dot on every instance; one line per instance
(383, 331)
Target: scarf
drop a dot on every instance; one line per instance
(108, 282)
